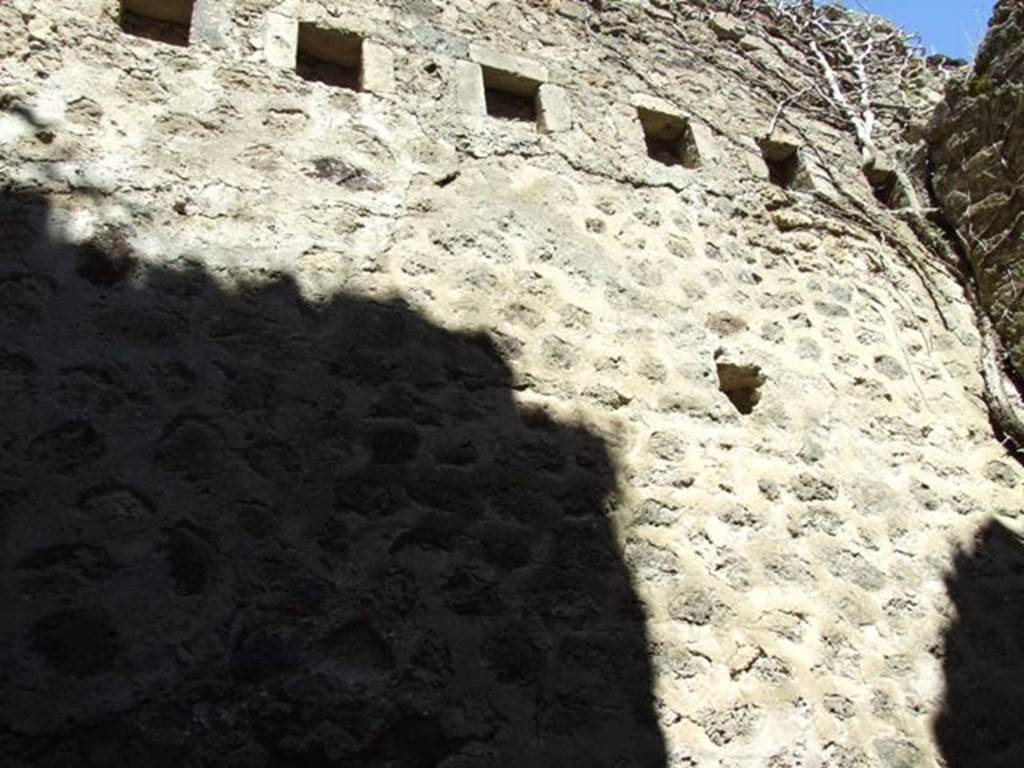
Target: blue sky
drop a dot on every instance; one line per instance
(953, 27)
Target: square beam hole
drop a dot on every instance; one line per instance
(669, 138)
(166, 21)
(510, 96)
(887, 188)
(330, 56)
(741, 384)
(783, 161)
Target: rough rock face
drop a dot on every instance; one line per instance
(463, 384)
(977, 146)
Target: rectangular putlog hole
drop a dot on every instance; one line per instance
(510, 96)
(783, 161)
(669, 138)
(166, 21)
(330, 56)
(742, 385)
(887, 188)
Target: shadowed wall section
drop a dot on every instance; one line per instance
(980, 724)
(241, 529)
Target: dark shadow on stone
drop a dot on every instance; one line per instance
(242, 529)
(981, 724)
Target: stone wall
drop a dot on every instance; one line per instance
(488, 404)
(977, 147)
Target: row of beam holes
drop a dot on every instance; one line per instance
(324, 55)
(336, 58)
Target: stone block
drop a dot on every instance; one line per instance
(505, 62)
(555, 113)
(756, 164)
(753, 159)
(211, 24)
(754, 43)
(654, 104)
(982, 161)
(726, 27)
(378, 68)
(573, 10)
(813, 176)
(469, 86)
(281, 40)
(703, 141)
